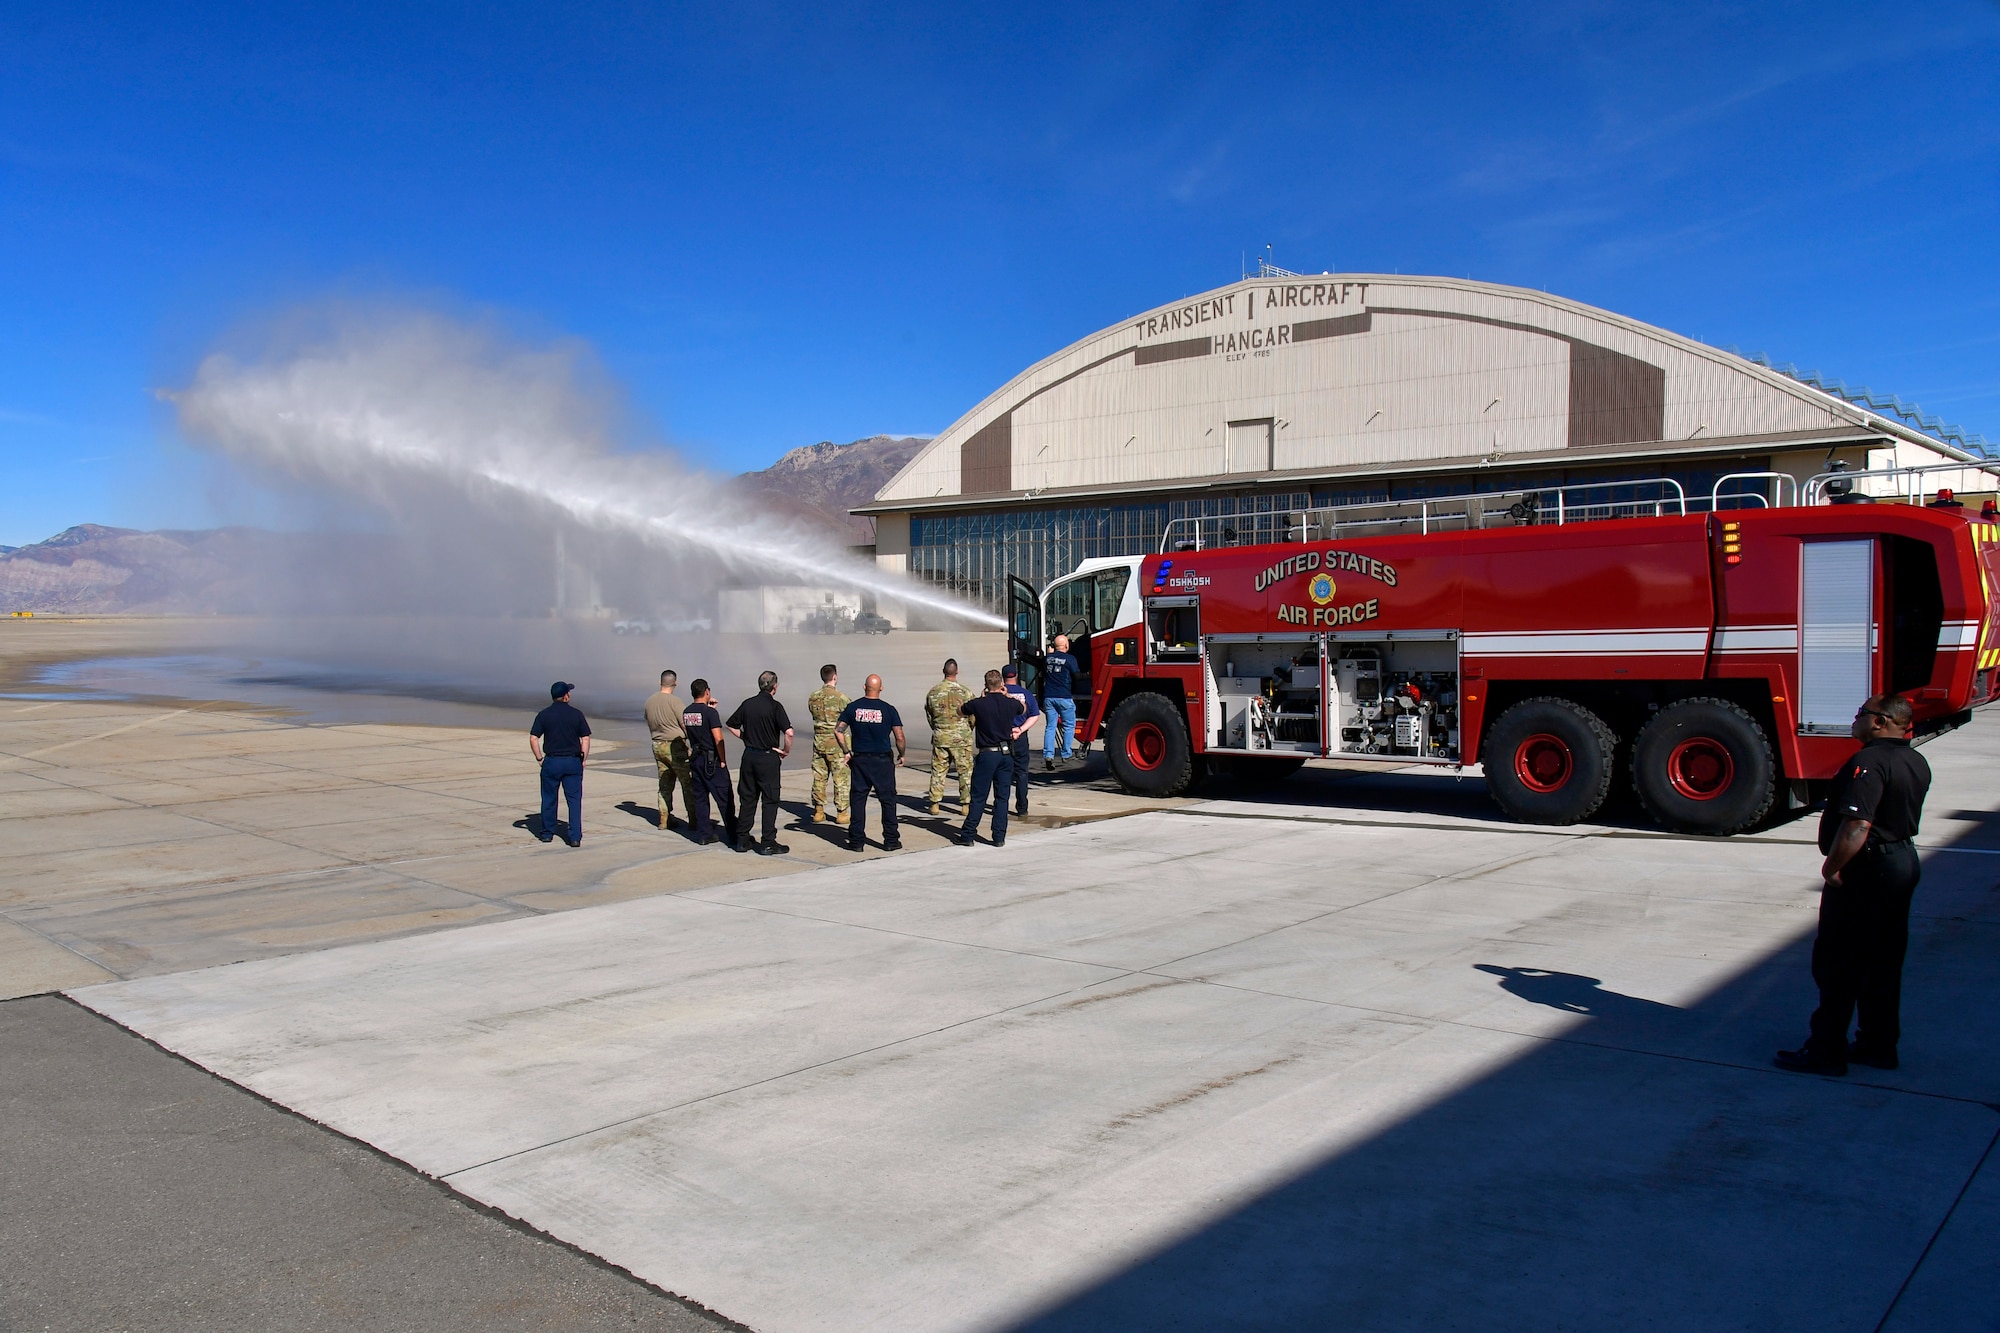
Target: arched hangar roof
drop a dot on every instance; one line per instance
(1304, 378)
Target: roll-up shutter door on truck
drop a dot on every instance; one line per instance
(1837, 633)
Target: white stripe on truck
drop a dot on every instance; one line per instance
(1589, 643)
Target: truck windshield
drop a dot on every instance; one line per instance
(1089, 602)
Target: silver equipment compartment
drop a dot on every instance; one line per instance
(1390, 696)
(1395, 697)
(1266, 695)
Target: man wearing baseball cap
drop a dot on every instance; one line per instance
(560, 742)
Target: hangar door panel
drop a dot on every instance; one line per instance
(1836, 633)
(1249, 446)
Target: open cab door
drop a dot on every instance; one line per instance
(1024, 633)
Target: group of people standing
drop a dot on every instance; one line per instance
(857, 745)
(689, 744)
(691, 748)
(854, 742)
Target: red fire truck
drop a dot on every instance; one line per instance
(1718, 658)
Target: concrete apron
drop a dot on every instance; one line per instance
(1180, 1069)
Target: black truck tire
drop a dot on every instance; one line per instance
(1548, 761)
(1704, 766)
(1147, 744)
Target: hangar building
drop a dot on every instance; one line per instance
(1284, 392)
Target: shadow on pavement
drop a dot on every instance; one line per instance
(1645, 1168)
(801, 813)
(1440, 792)
(533, 824)
(1574, 994)
(649, 815)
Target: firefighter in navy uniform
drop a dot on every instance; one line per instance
(878, 747)
(708, 764)
(1868, 835)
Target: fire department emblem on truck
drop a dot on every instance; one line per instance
(1320, 589)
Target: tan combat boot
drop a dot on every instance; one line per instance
(841, 819)
(819, 816)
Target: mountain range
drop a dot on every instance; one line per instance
(91, 568)
(828, 479)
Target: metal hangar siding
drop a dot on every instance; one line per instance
(1280, 393)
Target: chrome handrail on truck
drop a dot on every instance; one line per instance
(1816, 486)
(1581, 502)
(1784, 479)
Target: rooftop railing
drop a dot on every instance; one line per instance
(1824, 487)
(1588, 502)
(1585, 503)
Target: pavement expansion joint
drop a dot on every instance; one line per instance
(1432, 826)
(780, 1076)
(1937, 1232)
(151, 720)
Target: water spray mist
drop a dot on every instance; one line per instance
(383, 401)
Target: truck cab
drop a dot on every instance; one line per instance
(1089, 606)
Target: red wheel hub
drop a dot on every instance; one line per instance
(1701, 769)
(1543, 762)
(1146, 746)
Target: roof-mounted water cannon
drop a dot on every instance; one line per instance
(1841, 492)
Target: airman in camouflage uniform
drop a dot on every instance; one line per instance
(951, 736)
(829, 755)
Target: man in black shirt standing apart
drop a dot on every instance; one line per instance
(560, 742)
(878, 747)
(766, 732)
(1870, 873)
(997, 719)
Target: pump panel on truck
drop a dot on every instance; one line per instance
(1721, 655)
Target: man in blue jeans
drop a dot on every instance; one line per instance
(1059, 672)
(560, 742)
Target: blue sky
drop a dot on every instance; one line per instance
(780, 224)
